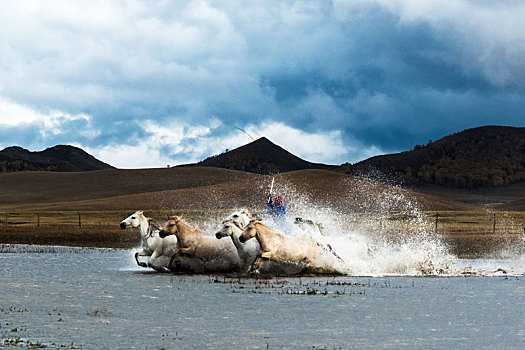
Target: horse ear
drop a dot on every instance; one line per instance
(175, 218)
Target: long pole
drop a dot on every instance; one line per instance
(271, 190)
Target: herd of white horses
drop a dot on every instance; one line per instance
(252, 247)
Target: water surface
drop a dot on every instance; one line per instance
(78, 298)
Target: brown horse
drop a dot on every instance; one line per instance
(299, 251)
(200, 253)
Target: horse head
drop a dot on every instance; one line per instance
(170, 228)
(250, 231)
(235, 222)
(226, 230)
(133, 220)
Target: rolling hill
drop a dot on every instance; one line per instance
(203, 188)
(480, 157)
(57, 158)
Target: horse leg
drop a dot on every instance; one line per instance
(259, 262)
(152, 258)
(327, 247)
(174, 258)
(140, 263)
(187, 250)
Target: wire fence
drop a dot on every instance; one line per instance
(442, 222)
(70, 219)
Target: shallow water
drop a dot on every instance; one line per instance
(72, 298)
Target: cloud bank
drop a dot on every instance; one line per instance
(150, 83)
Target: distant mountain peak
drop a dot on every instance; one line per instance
(261, 156)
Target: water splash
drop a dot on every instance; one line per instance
(373, 240)
(387, 233)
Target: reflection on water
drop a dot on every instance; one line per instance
(62, 297)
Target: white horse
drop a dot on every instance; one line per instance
(232, 227)
(158, 249)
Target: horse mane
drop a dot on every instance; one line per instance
(153, 225)
(180, 221)
(256, 221)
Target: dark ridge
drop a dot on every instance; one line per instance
(262, 157)
(478, 157)
(57, 158)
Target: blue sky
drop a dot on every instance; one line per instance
(150, 83)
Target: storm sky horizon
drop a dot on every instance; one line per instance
(144, 84)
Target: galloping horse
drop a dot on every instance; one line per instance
(158, 249)
(203, 253)
(299, 251)
(232, 227)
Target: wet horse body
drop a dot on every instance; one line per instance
(199, 253)
(301, 254)
(158, 250)
(232, 227)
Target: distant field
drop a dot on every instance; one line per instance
(507, 198)
(201, 188)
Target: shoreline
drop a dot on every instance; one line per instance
(89, 237)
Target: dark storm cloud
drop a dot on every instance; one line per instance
(177, 80)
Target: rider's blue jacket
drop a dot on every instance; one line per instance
(278, 213)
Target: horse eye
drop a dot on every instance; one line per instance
(236, 216)
(133, 218)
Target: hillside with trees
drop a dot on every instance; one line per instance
(479, 157)
(57, 158)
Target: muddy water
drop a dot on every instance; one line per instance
(71, 298)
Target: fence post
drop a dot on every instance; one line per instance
(38, 220)
(79, 221)
(494, 224)
(437, 219)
